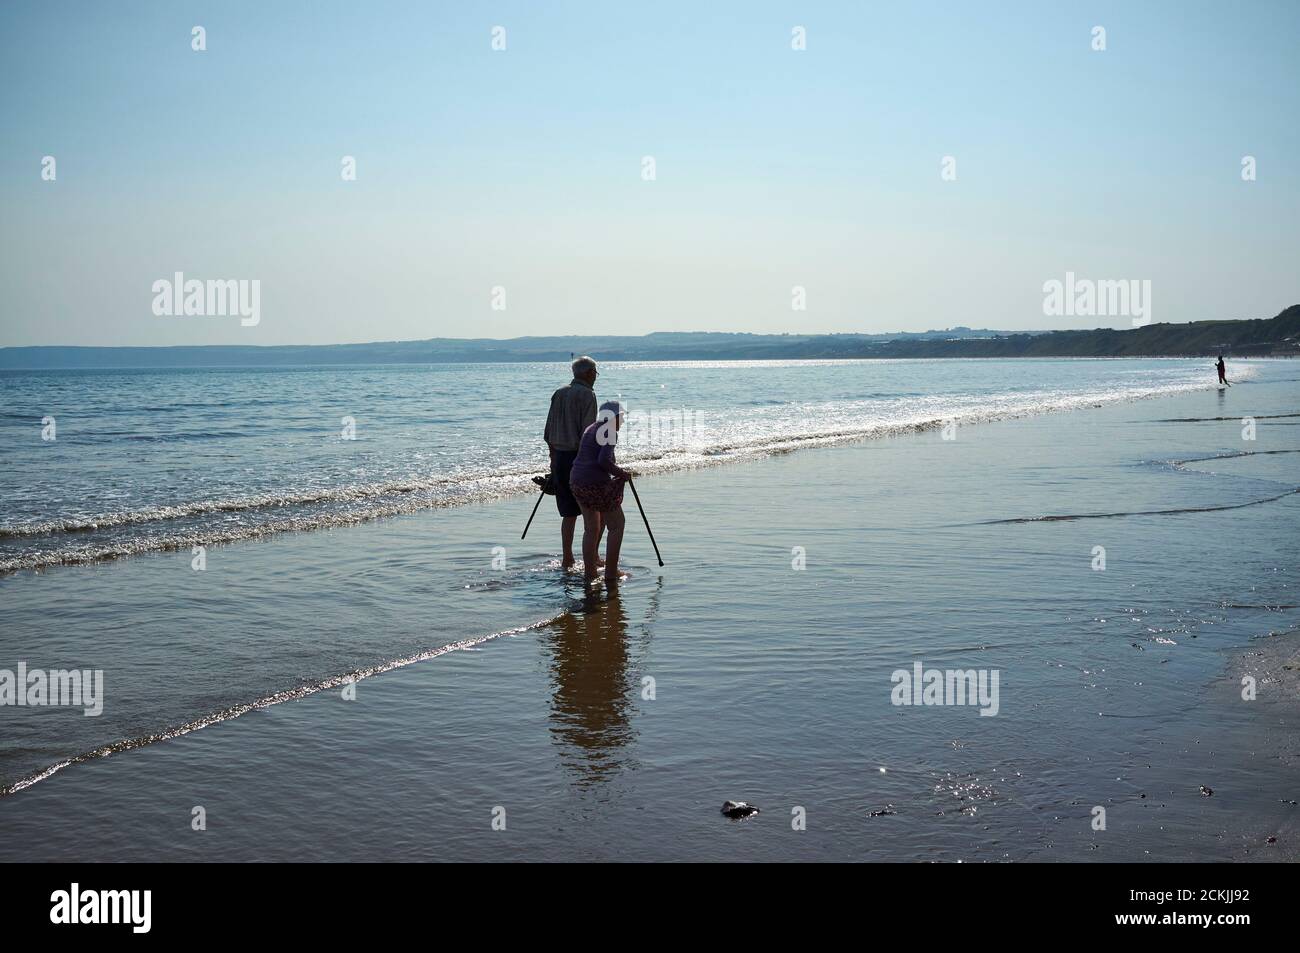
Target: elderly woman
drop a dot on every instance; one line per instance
(597, 484)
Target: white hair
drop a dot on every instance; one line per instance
(583, 365)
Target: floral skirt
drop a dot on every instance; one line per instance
(601, 497)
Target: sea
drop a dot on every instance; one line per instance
(307, 596)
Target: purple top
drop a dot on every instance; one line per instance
(594, 462)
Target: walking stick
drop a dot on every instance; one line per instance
(636, 496)
(540, 496)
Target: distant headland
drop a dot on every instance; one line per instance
(1278, 336)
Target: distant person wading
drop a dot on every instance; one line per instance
(573, 409)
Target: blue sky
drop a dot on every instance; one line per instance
(522, 168)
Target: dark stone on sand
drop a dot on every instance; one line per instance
(738, 810)
(1205, 792)
(884, 811)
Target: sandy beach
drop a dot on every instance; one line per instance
(557, 727)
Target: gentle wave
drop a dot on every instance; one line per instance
(1201, 420)
(1177, 465)
(76, 540)
(1068, 517)
(1230, 456)
(512, 481)
(290, 694)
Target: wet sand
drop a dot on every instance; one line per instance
(1119, 688)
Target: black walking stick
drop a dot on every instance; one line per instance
(636, 496)
(547, 485)
(540, 496)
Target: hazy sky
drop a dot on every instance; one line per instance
(523, 168)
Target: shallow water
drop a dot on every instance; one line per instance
(772, 684)
(144, 460)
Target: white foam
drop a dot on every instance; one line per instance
(719, 438)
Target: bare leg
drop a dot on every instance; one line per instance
(592, 524)
(614, 520)
(567, 526)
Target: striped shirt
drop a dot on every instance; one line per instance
(573, 409)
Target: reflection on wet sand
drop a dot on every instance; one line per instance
(592, 689)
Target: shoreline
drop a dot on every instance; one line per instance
(402, 497)
(706, 664)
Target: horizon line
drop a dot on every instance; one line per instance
(631, 337)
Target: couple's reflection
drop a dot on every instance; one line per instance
(592, 689)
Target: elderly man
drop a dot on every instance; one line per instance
(573, 409)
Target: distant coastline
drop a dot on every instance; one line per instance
(1278, 336)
